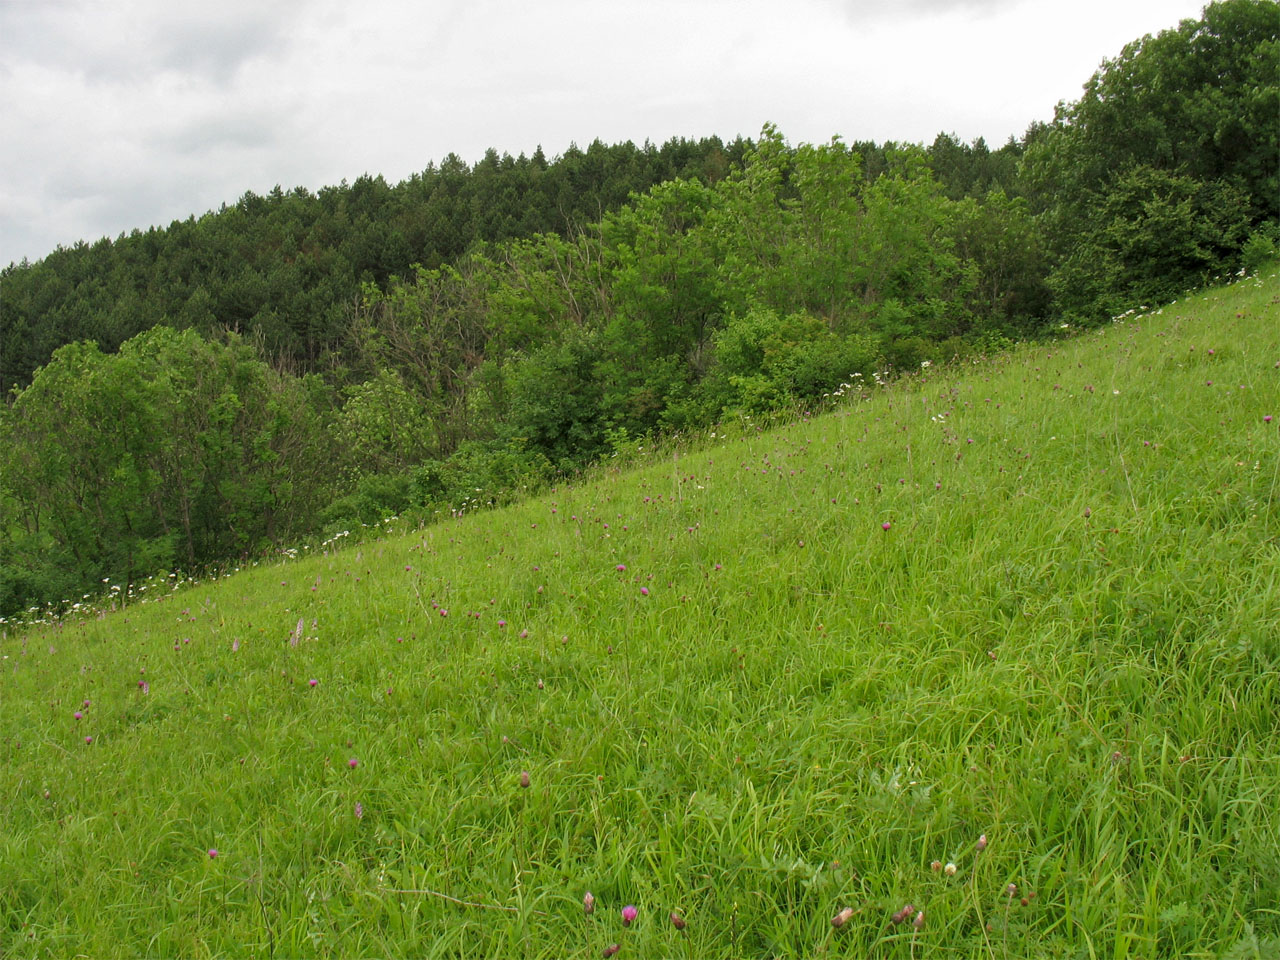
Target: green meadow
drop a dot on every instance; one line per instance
(998, 642)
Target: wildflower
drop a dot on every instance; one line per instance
(621, 568)
(644, 591)
(982, 843)
(588, 903)
(949, 869)
(843, 917)
(353, 763)
(524, 779)
(213, 853)
(1267, 418)
(885, 525)
(611, 949)
(88, 739)
(313, 681)
(78, 715)
(918, 922)
(359, 810)
(629, 914)
(935, 866)
(677, 921)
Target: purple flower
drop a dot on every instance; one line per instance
(78, 715)
(353, 763)
(212, 853)
(313, 681)
(644, 591)
(885, 525)
(359, 810)
(621, 568)
(629, 913)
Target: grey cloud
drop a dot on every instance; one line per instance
(129, 42)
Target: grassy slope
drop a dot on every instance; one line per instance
(1067, 640)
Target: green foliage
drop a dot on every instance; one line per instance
(554, 401)
(287, 266)
(766, 362)
(173, 451)
(1153, 236)
(1165, 164)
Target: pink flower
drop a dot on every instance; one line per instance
(885, 525)
(212, 853)
(78, 715)
(353, 763)
(359, 810)
(621, 568)
(1267, 418)
(644, 591)
(313, 681)
(629, 913)
(88, 739)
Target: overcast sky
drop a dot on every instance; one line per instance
(116, 114)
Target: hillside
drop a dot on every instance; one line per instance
(1019, 616)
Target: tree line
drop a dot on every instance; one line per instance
(300, 363)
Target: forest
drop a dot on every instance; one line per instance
(299, 363)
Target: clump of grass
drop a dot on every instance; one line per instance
(1019, 618)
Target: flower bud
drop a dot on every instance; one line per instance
(918, 922)
(843, 917)
(677, 921)
(935, 866)
(588, 903)
(524, 778)
(982, 843)
(611, 949)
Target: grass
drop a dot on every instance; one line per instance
(1067, 641)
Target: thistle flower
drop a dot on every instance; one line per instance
(353, 763)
